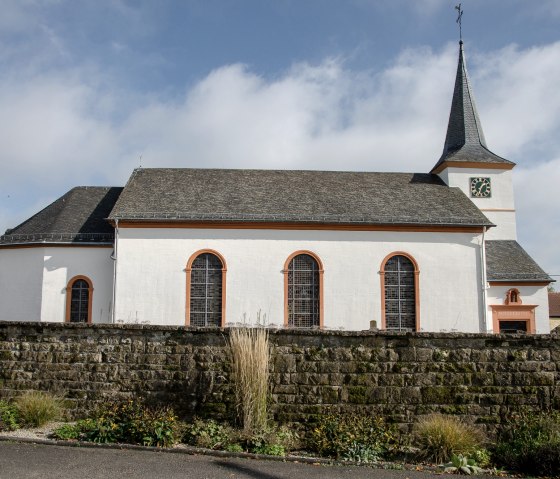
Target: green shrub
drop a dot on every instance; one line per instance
(67, 431)
(208, 434)
(273, 441)
(8, 416)
(131, 422)
(530, 443)
(353, 435)
(37, 408)
(233, 448)
(481, 457)
(439, 437)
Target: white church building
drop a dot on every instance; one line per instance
(432, 251)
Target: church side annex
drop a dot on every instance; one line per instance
(431, 251)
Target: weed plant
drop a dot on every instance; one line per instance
(213, 435)
(354, 437)
(37, 408)
(131, 421)
(8, 416)
(209, 434)
(249, 354)
(440, 437)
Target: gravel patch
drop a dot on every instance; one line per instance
(33, 433)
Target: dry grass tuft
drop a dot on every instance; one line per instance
(37, 408)
(439, 437)
(250, 356)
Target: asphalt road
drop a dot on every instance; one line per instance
(18, 460)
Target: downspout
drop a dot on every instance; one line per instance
(114, 258)
(483, 280)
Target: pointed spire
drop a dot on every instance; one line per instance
(465, 141)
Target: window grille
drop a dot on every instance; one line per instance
(79, 302)
(400, 294)
(206, 291)
(303, 292)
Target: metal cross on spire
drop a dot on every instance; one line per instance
(459, 20)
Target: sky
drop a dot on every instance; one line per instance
(90, 90)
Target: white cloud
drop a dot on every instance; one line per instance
(74, 127)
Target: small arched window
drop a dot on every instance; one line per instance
(79, 296)
(513, 297)
(399, 278)
(206, 290)
(303, 290)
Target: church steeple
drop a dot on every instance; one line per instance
(465, 141)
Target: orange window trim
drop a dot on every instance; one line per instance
(513, 312)
(416, 287)
(188, 270)
(321, 271)
(519, 283)
(69, 296)
(242, 225)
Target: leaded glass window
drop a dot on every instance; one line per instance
(303, 292)
(206, 291)
(400, 294)
(79, 302)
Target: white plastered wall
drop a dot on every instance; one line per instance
(499, 208)
(33, 281)
(61, 265)
(151, 277)
(537, 295)
(21, 279)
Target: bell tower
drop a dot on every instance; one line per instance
(468, 164)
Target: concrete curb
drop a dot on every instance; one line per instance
(191, 450)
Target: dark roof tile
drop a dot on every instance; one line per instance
(506, 260)
(465, 141)
(77, 217)
(326, 197)
(554, 304)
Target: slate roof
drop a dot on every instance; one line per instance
(554, 305)
(506, 260)
(325, 197)
(465, 141)
(77, 217)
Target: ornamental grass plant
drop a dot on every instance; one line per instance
(37, 408)
(249, 354)
(439, 437)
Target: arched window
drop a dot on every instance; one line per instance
(79, 296)
(399, 289)
(206, 289)
(303, 289)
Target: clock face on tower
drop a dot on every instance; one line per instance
(480, 188)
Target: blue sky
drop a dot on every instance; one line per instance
(86, 87)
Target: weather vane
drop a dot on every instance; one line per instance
(459, 19)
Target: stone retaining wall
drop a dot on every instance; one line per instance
(399, 375)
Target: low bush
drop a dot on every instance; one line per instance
(132, 422)
(275, 441)
(37, 408)
(213, 435)
(440, 437)
(67, 432)
(354, 437)
(8, 416)
(209, 434)
(530, 443)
